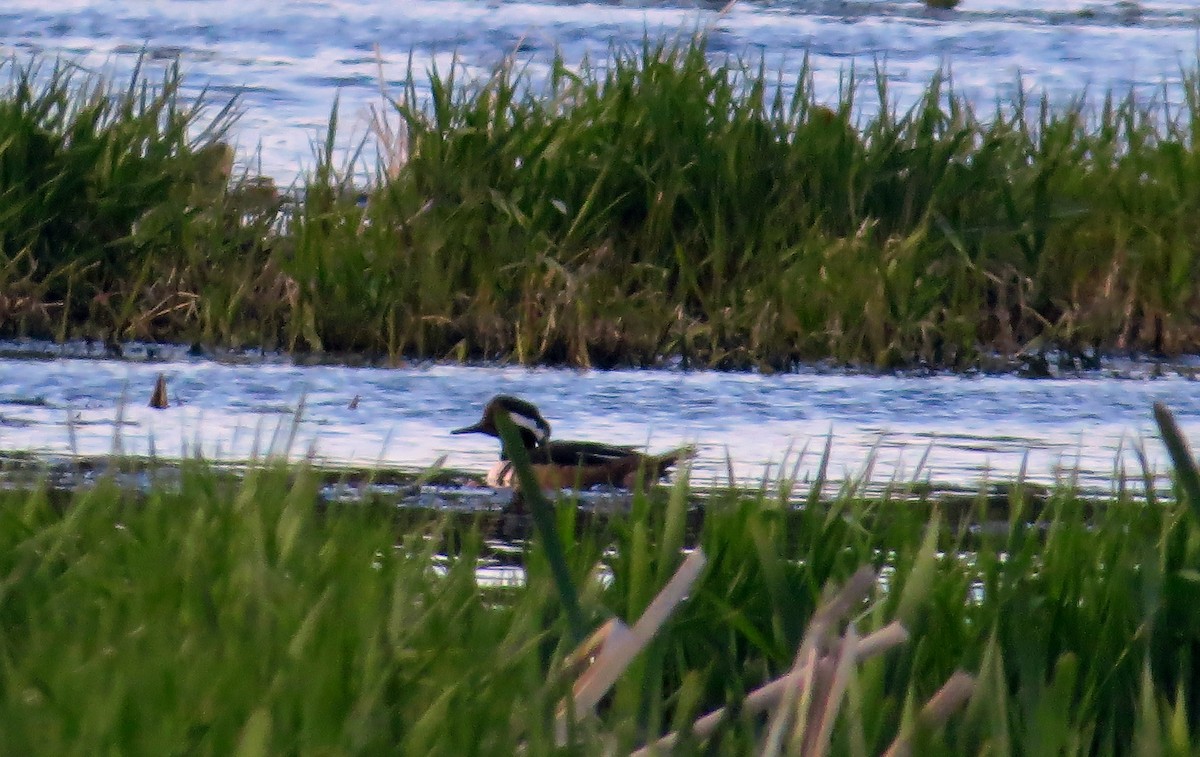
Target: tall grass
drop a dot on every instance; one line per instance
(656, 205)
(121, 214)
(661, 204)
(216, 614)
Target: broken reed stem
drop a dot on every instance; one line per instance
(889, 637)
(808, 656)
(816, 741)
(954, 693)
(619, 649)
(613, 631)
(769, 695)
(794, 697)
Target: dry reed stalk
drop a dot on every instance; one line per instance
(582, 657)
(954, 693)
(773, 694)
(797, 692)
(812, 650)
(393, 142)
(618, 649)
(815, 741)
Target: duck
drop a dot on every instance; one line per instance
(561, 464)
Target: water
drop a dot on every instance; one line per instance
(289, 60)
(973, 428)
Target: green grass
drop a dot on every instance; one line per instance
(652, 206)
(119, 210)
(218, 614)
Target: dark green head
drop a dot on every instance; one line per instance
(535, 430)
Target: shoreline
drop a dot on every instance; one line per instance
(1052, 366)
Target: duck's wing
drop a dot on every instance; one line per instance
(572, 453)
(562, 452)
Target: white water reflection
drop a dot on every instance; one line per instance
(971, 428)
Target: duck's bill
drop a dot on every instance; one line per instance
(475, 429)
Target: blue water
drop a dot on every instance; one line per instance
(289, 60)
(971, 428)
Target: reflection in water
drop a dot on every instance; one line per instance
(964, 429)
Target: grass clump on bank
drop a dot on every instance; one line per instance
(657, 205)
(217, 614)
(120, 218)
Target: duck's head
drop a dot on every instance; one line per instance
(524, 415)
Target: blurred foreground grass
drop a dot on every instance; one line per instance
(231, 615)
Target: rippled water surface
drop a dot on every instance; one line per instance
(972, 427)
(289, 59)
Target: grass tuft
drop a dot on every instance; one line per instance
(663, 204)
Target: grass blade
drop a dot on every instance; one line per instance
(1181, 457)
(543, 520)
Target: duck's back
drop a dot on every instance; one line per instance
(572, 453)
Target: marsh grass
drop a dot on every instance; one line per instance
(226, 613)
(122, 218)
(660, 204)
